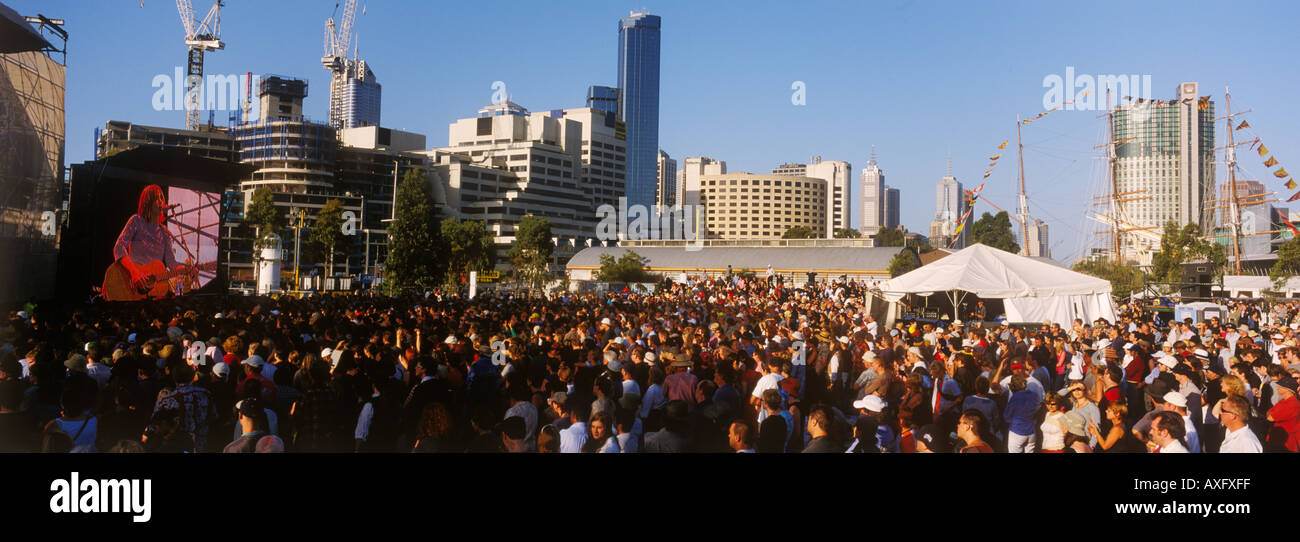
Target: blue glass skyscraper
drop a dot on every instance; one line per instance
(638, 81)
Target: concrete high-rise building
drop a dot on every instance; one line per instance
(604, 154)
(666, 190)
(692, 170)
(949, 206)
(280, 98)
(873, 196)
(679, 187)
(360, 96)
(836, 174)
(1255, 217)
(1038, 243)
(891, 207)
(33, 90)
(750, 206)
(603, 98)
(538, 168)
(638, 83)
(1168, 156)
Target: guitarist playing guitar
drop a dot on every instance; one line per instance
(144, 259)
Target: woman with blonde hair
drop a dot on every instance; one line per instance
(1118, 439)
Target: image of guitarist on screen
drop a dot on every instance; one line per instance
(144, 257)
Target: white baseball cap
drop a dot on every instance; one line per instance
(872, 403)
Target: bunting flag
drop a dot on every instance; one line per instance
(1294, 231)
(1272, 161)
(1291, 184)
(1293, 198)
(1281, 173)
(1004, 144)
(1253, 143)
(1263, 150)
(1085, 93)
(995, 157)
(1243, 124)
(1203, 103)
(991, 164)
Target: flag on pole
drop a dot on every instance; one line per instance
(1263, 150)
(1294, 232)
(1243, 124)
(1272, 161)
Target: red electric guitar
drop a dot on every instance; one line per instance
(152, 281)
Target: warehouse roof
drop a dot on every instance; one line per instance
(782, 259)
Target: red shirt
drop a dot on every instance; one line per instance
(1286, 415)
(907, 442)
(1112, 394)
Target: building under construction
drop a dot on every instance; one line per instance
(33, 77)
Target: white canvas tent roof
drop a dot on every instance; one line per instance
(991, 273)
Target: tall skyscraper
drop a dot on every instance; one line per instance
(1038, 243)
(1168, 157)
(638, 83)
(873, 201)
(665, 188)
(891, 207)
(949, 205)
(361, 96)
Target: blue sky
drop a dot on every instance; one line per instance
(913, 78)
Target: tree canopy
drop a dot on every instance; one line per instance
(847, 233)
(1124, 279)
(1182, 245)
(890, 237)
(630, 267)
(414, 238)
(469, 247)
(799, 232)
(327, 235)
(531, 252)
(902, 262)
(994, 231)
(260, 213)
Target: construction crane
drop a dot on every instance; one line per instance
(200, 36)
(336, 59)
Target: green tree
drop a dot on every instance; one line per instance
(902, 262)
(1181, 245)
(261, 213)
(414, 238)
(1124, 279)
(890, 237)
(847, 233)
(1288, 262)
(531, 252)
(469, 248)
(799, 232)
(630, 267)
(327, 236)
(994, 231)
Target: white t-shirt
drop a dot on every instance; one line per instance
(1053, 436)
(769, 381)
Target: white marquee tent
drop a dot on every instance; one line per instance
(1031, 290)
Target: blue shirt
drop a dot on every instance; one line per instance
(1020, 412)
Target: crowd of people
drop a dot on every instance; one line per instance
(712, 365)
